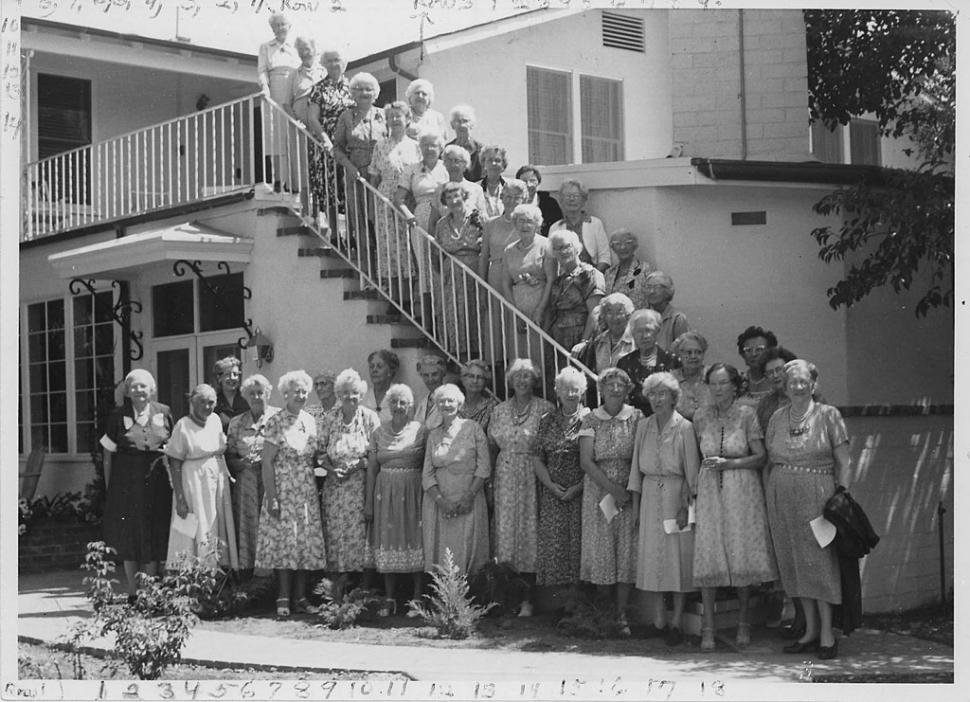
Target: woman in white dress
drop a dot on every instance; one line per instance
(277, 59)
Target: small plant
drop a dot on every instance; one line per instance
(500, 584)
(589, 619)
(25, 515)
(452, 610)
(213, 591)
(342, 609)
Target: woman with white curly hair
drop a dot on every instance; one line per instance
(420, 96)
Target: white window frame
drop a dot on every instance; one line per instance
(844, 133)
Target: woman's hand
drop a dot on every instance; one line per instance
(448, 506)
(368, 511)
(465, 503)
(681, 518)
(352, 171)
(573, 492)
(577, 350)
(715, 463)
(274, 507)
(182, 507)
(620, 495)
(558, 490)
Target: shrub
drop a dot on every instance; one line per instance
(342, 609)
(452, 609)
(213, 591)
(589, 619)
(501, 584)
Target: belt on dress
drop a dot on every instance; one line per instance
(804, 469)
(385, 469)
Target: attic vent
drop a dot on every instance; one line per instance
(623, 32)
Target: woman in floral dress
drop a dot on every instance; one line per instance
(575, 292)
(345, 436)
(290, 530)
(732, 546)
(556, 464)
(479, 404)
(328, 99)
(512, 435)
(606, 439)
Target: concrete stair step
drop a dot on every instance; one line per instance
(347, 273)
(362, 295)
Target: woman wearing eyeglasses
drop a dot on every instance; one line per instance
(478, 403)
(753, 342)
(673, 322)
(695, 393)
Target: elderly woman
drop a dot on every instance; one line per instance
(556, 465)
(808, 448)
(673, 323)
(663, 481)
(648, 357)
(359, 128)
(606, 442)
(382, 366)
(392, 155)
(323, 389)
(301, 81)
(277, 59)
(455, 160)
(459, 233)
(138, 499)
(392, 501)
(244, 449)
(732, 547)
(512, 435)
(200, 486)
(752, 343)
(328, 100)
(456, 466)
(496, 161)
(695, 393)
(614, 342)
(290, 528)
(345, 436)
(532, 177)
(527, 279)
(629, 274)
(432, 370)
(462, 120)
(229, 401)
(576, 291)
(590, 230)
(479, 403)
(772, 366)
(420, 96)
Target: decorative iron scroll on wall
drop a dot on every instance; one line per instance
(121, 312)
(220, 292)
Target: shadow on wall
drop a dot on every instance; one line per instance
(903, 468)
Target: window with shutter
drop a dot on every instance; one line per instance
(826, 143)
(549, 102)
(864, 143)
(63, 124)
(601, 109)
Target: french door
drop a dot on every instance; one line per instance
(181, 363)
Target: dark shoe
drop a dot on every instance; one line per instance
(827, 653)
(132, 599)
(792, 632)
(798, 647)
(277, 187)
(651, 632)
(674, 636)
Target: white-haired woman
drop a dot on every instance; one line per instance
(606, 440)
(479, 403)
(290, 535)
(202, 523)
(695, 393)
(528, 272)
(345, 436)
(614, 342)
(455, 160)
(629, 274)
(432, 370)
(660, 291)
(244, 450)
(495, 160)
(456, 466)
(532, 177)
(392, 155)
(328, 100)
(647, 358)
(663, 482)
(301, 81)
(590, 230)
(420, 96)
(556, 465)
(392, 502)
(276, 60)
(462, 121)
(138, 499)
(575, 292)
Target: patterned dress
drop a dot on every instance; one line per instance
(397, 536)
(570, 292)
(639, 371)
(422, 182)
(516, 505)
(393, 247)
(294, 541)
(458, 298)
(498, 234)
(664, 471)
(609, 551)
(694, 393)
(632, 283)
(482, 413)
(560, 523)
(732, 546)
(245, 440)
(332, 97)
(752, 392)
(527, 269)
(454, 458)
(344, 528)
(801, 481)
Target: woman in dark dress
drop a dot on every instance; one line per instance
(229, 401)
(138, 504)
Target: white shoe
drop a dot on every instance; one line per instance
(526, 609)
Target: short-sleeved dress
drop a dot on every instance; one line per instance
(732, 546)
(801, 481)
(295, 540)
(560, 523)
(454, 458)
(422, 182)
(332, 97)
(245, 440)
(344, 529)
(516, 515)
(527, 269)
(633, 365)
(138, 503)
(480, 413)
(390, 160)
(633, 282)
(458, 302)
(694, 393)
(398, 540)
(498, 234)
(609, 552)
(205, 485)
(664, 471)
(753, 392)
(570, 291)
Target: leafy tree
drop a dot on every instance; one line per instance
(898, 65)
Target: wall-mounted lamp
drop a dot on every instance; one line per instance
(262, 346)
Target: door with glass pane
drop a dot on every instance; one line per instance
(183, 363)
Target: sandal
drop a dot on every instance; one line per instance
(707, 639)
(301, 606)
(283, 607)
(388, 607)
(743, 638)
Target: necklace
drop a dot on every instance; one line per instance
(572, 415)
(795, 423)
(521, 417)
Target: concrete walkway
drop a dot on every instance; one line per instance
(49, 603)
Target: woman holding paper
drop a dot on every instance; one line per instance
(808, 447)
(663, 480)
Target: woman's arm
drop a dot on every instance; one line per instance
(315, 127)
(106, 461)
(843, 462)
(181, 505)
(549, 268)
(372, 469)
(589, 467)
(262, 68)
(340, 136)
(507, 282)
(269, 478)
(542, 473)
(483, 259)
(592, 305)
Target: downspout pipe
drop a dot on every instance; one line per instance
(397, 70)
(741, 88)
